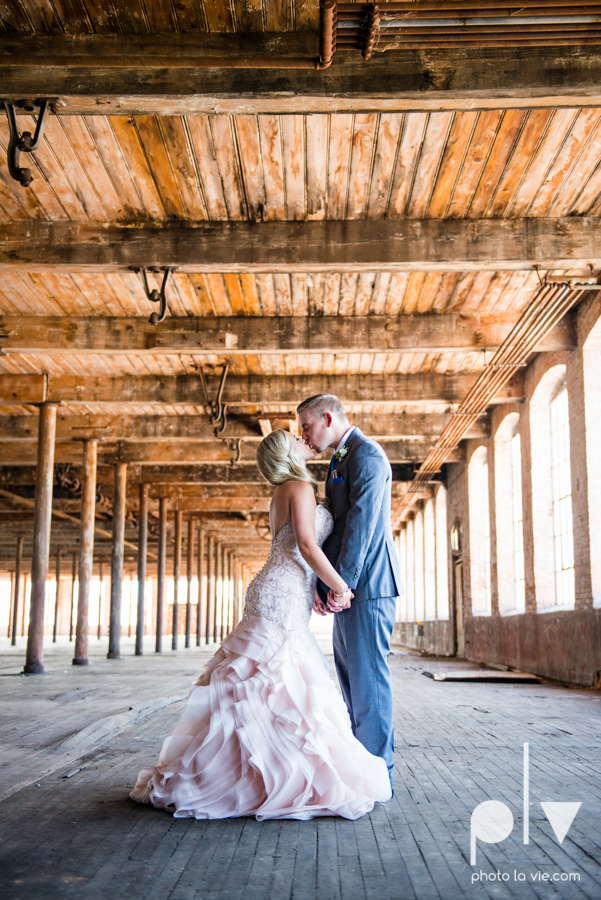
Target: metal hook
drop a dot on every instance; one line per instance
(156, 296)
(236, 447)
(217, 409)
(24, 143)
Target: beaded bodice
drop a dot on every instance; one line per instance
(284, 590)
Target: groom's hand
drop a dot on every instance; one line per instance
(335, 605)
(319, 607)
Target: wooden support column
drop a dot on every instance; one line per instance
(86, 551)
(202, 597)
(218, 593)
(162, 557)
(189, 572)
(142, 550)
(210, 614)
(100, 598)
(41, 539)
(73, 579)
(17, 589)
(177, 566)
(117, 560)
(59, 554)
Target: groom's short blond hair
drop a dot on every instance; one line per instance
(323, 403)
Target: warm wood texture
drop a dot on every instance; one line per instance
(457, 79)
(254, 336)
(385, 390)
(186, 428)
(432, 245)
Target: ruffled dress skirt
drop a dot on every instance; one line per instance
(266, 734)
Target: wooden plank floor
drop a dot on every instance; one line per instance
(457, 746)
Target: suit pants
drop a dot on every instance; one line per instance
(361, 649)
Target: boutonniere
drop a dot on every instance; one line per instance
(340, 454)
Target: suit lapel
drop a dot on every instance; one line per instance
(341, 465)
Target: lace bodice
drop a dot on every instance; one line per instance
(284, 590)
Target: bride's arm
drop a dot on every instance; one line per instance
(302, 513)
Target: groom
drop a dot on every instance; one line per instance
(361, 549)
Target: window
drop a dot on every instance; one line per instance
(442, 557)
(429, 562)
(562, 500)
(519, 583)
(479, 530)
(418, 536)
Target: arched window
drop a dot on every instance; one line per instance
(551, 497)
(561, 482)
(479, 511)
(442, 554)
(429, 562)
(509, 542)
(519, 583)
(418, 536)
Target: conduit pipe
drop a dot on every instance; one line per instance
(548, 306)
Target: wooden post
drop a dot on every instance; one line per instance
(190, 562)
(210, 617)
(142, 549)
(73, 578)
(59, 554)
(100, 593)
(202, 597)
(117, 560)
(177, 565)
(41, 539)
(218, 593)
(229, 592)
(17, 591)
(162, 557)
(86, 552)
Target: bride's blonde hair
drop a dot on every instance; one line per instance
(279, 461)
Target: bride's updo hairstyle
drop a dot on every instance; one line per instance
(279, 461)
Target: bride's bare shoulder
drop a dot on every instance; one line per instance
(295, 488)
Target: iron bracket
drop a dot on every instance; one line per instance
(24, 143)
(217, 409)
(157, 296)
(235, 446)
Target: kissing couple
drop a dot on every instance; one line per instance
(265, 733)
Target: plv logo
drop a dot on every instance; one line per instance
(492, 821)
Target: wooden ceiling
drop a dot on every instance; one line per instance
(406, 158)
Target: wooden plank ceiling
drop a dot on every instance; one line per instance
(471, 165)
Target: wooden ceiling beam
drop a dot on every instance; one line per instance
(266, 334)
(250, 391)
(181, 474)
(169, 452)
(123, 428)
(160, 75)
(393, 245)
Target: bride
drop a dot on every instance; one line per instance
(265, 733)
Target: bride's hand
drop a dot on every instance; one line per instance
(319, 607)
(337, 604)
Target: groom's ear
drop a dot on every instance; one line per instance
(328, 417)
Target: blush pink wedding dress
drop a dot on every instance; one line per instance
(265, 733)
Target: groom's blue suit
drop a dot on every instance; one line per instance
(361, 548)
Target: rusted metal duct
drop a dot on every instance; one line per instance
(549, 305)
(370, 27)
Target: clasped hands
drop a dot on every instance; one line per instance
(334, 604)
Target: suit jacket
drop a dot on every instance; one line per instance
(361, 547)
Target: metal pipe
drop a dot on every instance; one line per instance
(327, 32)
(142, 552)
(358, 10)
(41, 539)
